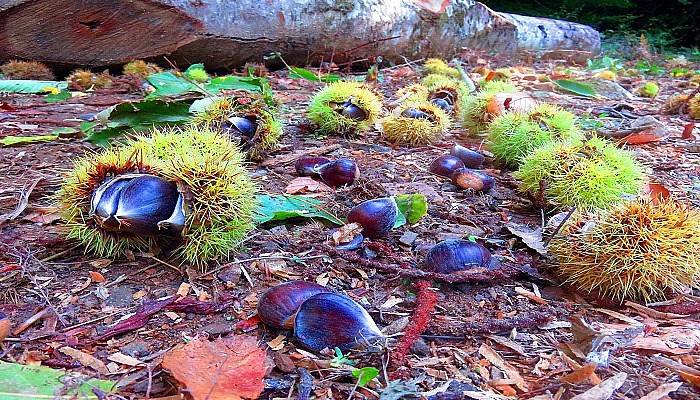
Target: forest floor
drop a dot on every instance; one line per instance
(521, 335)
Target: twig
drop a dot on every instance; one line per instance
(22, 203)
(561, 224)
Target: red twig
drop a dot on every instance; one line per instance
(426, 299)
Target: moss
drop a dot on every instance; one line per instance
(325, 108)
(582, 174)
(513, 136)
(31, 70)
(208, 169)
(639, 250)
(269, 129)
(401, 129)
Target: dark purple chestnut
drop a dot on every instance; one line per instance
(442, 104)
(417, 114)
(309, 166)
(342, 171)
(377, 216)
(456, 255)
(445, 165)
(278, 305)
(470, 158)
(466, 178)
(244, 126)
(352, 111)
(137, 203)
(330, 320)
(446, 95)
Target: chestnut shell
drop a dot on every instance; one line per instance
(466, 178)
(245, 126)
(278, 305)
(377, 216)
(342, 171)
(470, 158)
(330, 320)
(445, 165)
(352, 111)
(456, 255)
(309, 166)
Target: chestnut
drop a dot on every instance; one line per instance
(456, 255)
(446, 95)
(350, 110)
(470, 158)
(244, 126)
(443, 104)
(445, 165)
(278, 305)
(309, 166)
(417, 114)
(330, 320)
(466, 178)
(342, 171)
(377, 216)
(137, 203)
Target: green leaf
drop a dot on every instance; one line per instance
(193, 67)
(58, 97)
(303, 73)
(168, 84)
(365, 375)
(29, 86)
(282, 207)
(38, 382)
(232, 82)
(19, 140)
(138, 116)
(412, 206)
(575, 87)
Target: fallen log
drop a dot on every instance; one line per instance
(229, 33)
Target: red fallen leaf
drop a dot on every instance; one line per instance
(138, 320)
(229, 368)
(642, 137)
(583, 374)
(688, 131)
(657, 191)
(436, 6)
(7, 107)
(248, 324)
(97, 277)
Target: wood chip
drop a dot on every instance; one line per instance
(662, 391)
(603, 390)
(526, 293)
(184, 289)
(122, 358)
(653, 313)
(85, 359)
(495, 359)
(277, 343)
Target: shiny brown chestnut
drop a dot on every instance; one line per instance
(309, 166)
(377, 216)
(352, 111)
(466, 178)
(342, 171)
(470, 158)
(417, 114)
(455, 255)
(445, 165)
(278, 305)
(330, 320)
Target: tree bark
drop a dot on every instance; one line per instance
(227, 33)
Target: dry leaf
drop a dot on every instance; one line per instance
(690, 378)
(183, 290)
(642, 137)
(662, 391)
(346, 233)
(85, 359)
(277, 343)
(5, 326)
(657, 191)
(230, 368)
(688, 131)
(603, 390)
(305, 184)
(495, 359)
(583, 374)
(97, 277)
(122, 358)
